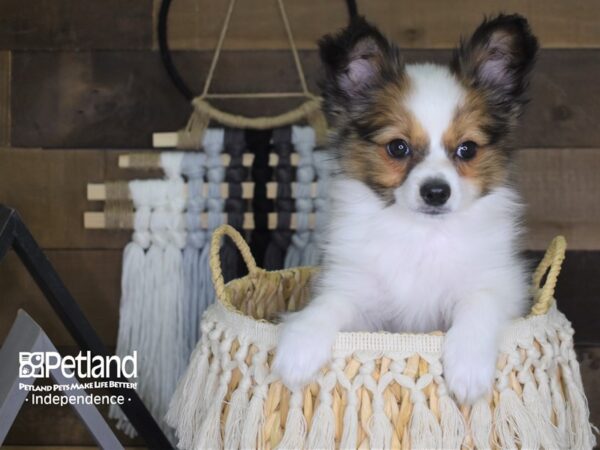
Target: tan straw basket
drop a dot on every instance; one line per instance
(381, 390)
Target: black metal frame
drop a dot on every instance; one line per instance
(14, 233)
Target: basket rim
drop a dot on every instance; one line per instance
(267, 333)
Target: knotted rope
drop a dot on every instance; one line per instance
(284, 204)
(303, 139)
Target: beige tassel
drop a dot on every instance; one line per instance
(578, 415)
(322, 427)
(350, 431)
(513, 425)
(559, 408)
(540, 414)
(252, 431)
(480, 423)
(295, 425)
(452, 423)
(380, 427)
(182, 411)
(237, 413)
(210, 430)
(425, 431)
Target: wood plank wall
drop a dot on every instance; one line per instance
(81, 81)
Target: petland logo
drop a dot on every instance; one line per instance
(40, 364)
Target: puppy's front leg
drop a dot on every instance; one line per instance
(307, 338)
(471, 346)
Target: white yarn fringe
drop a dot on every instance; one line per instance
(518, 420)
(295, 425)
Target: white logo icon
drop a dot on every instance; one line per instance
(31, 364)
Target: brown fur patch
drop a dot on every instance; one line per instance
(489, 166)
(366, 159)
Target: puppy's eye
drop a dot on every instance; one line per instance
(466, 151)
(398, 149)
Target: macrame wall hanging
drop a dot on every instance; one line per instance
(264, 176)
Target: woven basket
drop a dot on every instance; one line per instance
(382, 390)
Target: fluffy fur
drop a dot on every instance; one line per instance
(392, 260)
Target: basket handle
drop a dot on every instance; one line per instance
(551, 263)
(215, 259)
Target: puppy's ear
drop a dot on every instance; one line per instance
(355, 59)
(498, 57)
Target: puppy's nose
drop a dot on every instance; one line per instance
(435, 192)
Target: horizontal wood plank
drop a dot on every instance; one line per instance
(559, 187)
(75, 24)
(118, 99)
(49, 191)
(195, 25)
(412, 24)
(92, 276)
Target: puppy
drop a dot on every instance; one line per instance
(424, 224)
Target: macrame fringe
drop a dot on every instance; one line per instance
(580, 435)
(425, 431)
(452, 423)
(322, 428)
(132, 278)
(480, 423)
(295, 425)
(238, 406)
(350, 432)
(252, 431)
(540, 414)
(380, 428)
(512, 424)
(183, 412)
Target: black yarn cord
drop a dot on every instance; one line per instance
(235, 174)
(284, 204)
(258, 142)
(165, 52)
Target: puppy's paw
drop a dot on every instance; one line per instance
(301, 352)
(469, 366)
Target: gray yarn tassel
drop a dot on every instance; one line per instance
(303, 139)
(215, 176)
(193, 168)
(314, 250)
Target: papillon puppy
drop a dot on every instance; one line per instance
(424, 225)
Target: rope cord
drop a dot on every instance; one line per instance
(177, 79)
(213, 63)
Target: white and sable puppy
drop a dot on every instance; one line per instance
(424, 227)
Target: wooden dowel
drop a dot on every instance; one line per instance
(97, 220)
(152, 160)
(97, 191)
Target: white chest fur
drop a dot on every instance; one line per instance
(405, 271)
